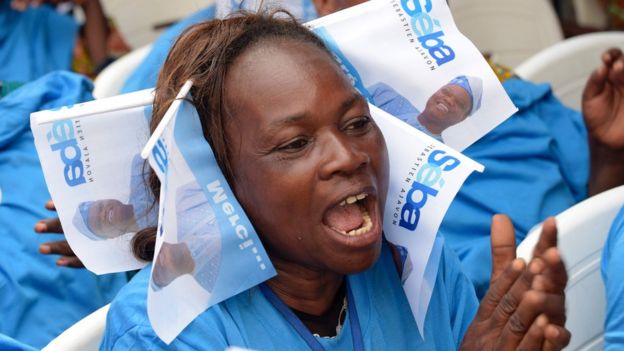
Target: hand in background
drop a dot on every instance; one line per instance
(603, 110)
(61, 247)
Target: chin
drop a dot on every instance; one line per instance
(357, 262)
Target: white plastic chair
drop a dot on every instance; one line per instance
(137, 19)
(85, 335)
(110, 81)
(568, 64)
(583, 230)
(511, 30)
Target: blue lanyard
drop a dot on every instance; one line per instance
(302, 330)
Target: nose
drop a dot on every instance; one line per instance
(342, 156)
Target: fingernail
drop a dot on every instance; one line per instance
(517, 264)
(619, 65)
(61, 262)
(536, 266)
(44, 249)
(40, 227)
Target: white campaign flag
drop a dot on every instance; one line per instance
(425, 176)
(206, 249)
(408, 58)
(90, 158)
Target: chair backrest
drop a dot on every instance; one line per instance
(583, 230)
(110, 81)
(589, 14)
(568, 64)
(510, 30)
(85, 335)
(141, 21)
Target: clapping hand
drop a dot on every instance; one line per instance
(524, 309)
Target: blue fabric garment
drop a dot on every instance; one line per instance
(249, 320)
(536, 165)
(10, 344)
(146, 75)
(38, 300)
(34, 42)
(613, 275)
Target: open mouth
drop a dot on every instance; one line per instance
(351, 216)
(442, 107)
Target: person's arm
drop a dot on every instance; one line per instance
(96, 31)
(603, 110)
(525, 305)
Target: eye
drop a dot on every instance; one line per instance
(359, 125)
(293, 145)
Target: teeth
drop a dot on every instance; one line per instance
(366, 226)
(352, 199)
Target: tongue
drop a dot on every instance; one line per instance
(345, 218)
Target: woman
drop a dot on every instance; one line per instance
(310, 168)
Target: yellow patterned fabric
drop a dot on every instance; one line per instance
(502, 72)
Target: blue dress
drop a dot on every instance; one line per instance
(250, 320)
(34, 42)
(38, 300)
(612, 268)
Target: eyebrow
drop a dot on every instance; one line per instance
(344, 106)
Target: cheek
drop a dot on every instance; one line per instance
(274, 194)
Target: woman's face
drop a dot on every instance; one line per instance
(303, 145)
(448, 106)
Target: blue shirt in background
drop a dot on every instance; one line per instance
(145, 76)
(10, 344)
(34, 42)
(250, 320)
(38, 300)
(612, 268)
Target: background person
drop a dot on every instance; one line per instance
(37, 39)
(294, 139)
